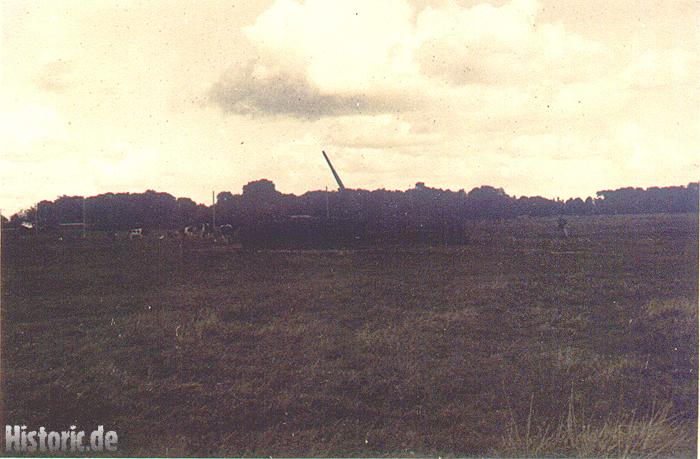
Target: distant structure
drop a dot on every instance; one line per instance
(71, 230)
(341, 187)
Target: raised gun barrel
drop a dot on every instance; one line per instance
(341, 187)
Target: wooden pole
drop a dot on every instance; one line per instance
(2, 366)
(213, 211)
(84, 220)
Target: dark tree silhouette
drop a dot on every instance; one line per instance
(419, 215)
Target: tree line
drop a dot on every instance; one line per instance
(399, 214)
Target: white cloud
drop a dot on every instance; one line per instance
(376, 132)
(319, 58)
(502, 45)
(663, 67)
(341, 45)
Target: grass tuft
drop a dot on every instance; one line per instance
(624, 435)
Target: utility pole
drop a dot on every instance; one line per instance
(213, 211)
(180, 233)
(2, 375)
(84, 220)
(179, 216)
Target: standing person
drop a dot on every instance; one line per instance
(562, 226)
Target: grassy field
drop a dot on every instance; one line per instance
(519, 343)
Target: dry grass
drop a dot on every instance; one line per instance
(655, 435)
(210, 350)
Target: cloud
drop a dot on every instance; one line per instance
(656, 68)
(316, 59)
(503, 46)
(377, 133)
(257, 90)
(319, 59)
(341, 45)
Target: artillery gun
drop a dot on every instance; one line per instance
(341, 226)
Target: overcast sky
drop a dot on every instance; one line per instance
(549, 97)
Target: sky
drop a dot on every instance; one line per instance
(540, 97)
